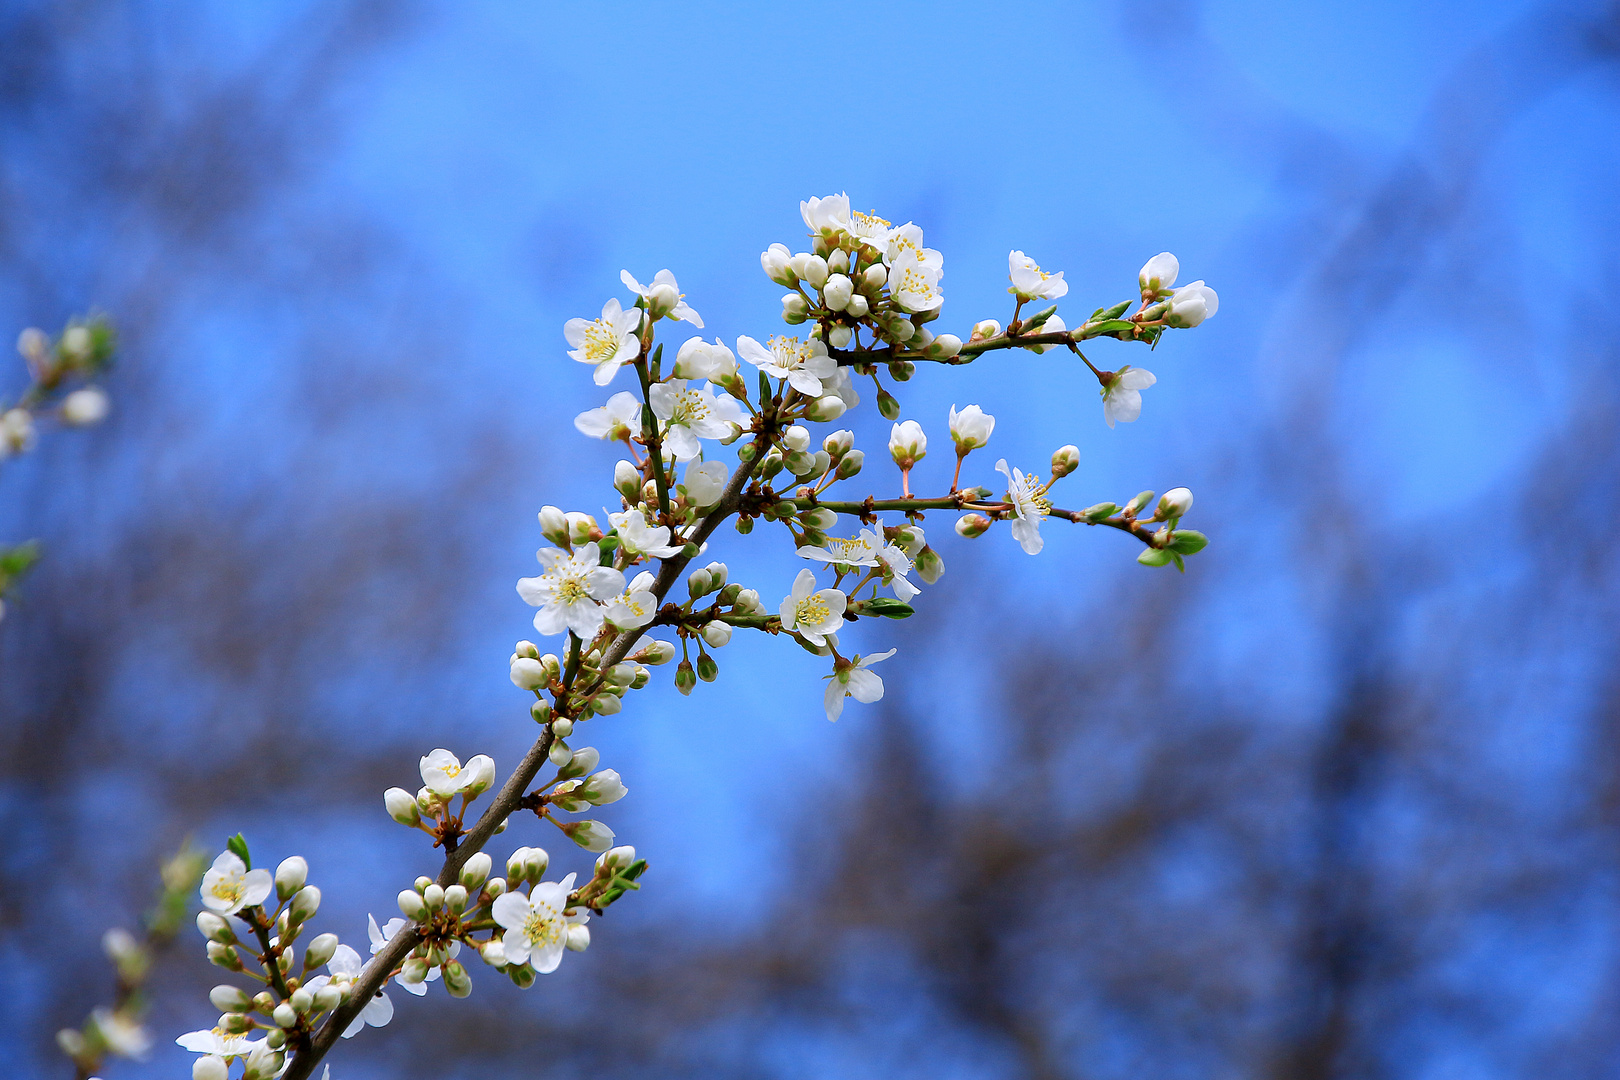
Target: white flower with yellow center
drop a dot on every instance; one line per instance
(634, 607)
(810, 613)
(906, 242)
(914, 285)
(345, 970)
(804, 364)
(1030, 282)
(663, 297)
(569, 592)
(229, 886)
(445, 775)
(1122, 397)
(218, 1043)
(896, 565)
(606, 342)
(852, 679)
(1030, 507)
(616, 421)
(692, 412)
(859, 550)
(639, 538)
(870, 229)
(537, 925)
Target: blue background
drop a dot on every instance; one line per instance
(341, 240)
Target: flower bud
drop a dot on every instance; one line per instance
(1191, 304)
(560, 754)
(527, 674)
(554, 526)
(235, 1023)
(455, 899)
(1158, 275)
(1065, 459)
(210, 1067)
(1099, 511)
(302, 999)
(985, 328)
(285, 1015)
(590, 835)
(944, 346)
(585, 760)
(812, 268)
(433, 896)
(794, 309)
(661, 300)
(562, 727)
(475, 871)
(929, 565)
(685, 677)
(971, 428)
(305, 903)
(230, 999)
(412, 906)
(521, 974)
(698, 583)
(215, 928)
(850, 464)
(717, 633)
(262, 1063)
(835, 295)
(1173, 504)
(903, 370)
(971, 525)
(643, 676)
(1136, 505)
(799, 463)
(275, 1038)
(775, 264)
(224, 956)
(876, 276)
(579, 937)
(401, 806)
(322, 949)
(327, 997)
(655, 653)
(627, 480)
(858, 307)
(826, 408)
(606, 704)
(707, 669)
(582, 528)
(907, 444)
(76, 344)
(603, 788)
(85, 407)
(838, 261)
(527, 648)
(888, 407)
(290, 876)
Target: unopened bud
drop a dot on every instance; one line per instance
(655, 653)
(493, 953)
(328, 997)
(210, 1067)
(903, 370)
(707, 669)
(475, 871)
(1173, 504)
(839, 442)
(944, 346)
(888, 407)
(717, 633)
(540, 711)
(554, 525)
(230, 999)
(433, 896)
(579, 937)
(582, 528)
(285, 1015)
(929, 565)
(794, 308)
(215, 928)
(480, 770)
(858, 307)
(590, 835)
(1099, 511)
(685, 677)
(718, 572)
(527, 674)
(412, 906)
(560, 754)
(876, 276)
(562, 727)
(302, 999)
(1136, 505)
(521, 974)
(320, 950)
(971, 525)
(1065, 459)
(305, 903)
(527, 648)
(627, 480)
(850, 464)
(455, 899)
(825, 409)
(985, 328)
(836, 293)
(401, 806)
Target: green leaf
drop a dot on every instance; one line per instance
(1110, 326)
(657, 359)
(1116, 311)
(1188, 541)
(15, 561)
(1100, 511)
(764, 389)
(239, 846)
(1179, 564)
(888, 608)
(1154, 557)
(1038, 320)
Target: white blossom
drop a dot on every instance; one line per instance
(699, 359)
(229, 886)
(826, 216)
(537, 925)
(1192, 304)
(803, 364)
(854, 680)
(635, 607)
(870, 230)
(774, 261)
(381, 937)
(692, 414)
(85, 406)
(1175, 503)
(906, 242)
(345, 969)
(1028, 498)
(841, 384)
(1122, 397)
(705, 482)
(122, 1034)
(1030, 282)
(218, 1043)
(663, 297)
(1158, 275)
(896, 565)
(17, 434)
(445, 775)
(619, 419)
(639, 538)
(812, 614)
(569, 591)
(606, 342)
(971, 428)
(861, 550)
(914, 284)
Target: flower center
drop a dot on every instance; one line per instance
(789, 352)
(228, 888)
(812, 611)
(848, 550)
(1031, 499)
(542, 927)
(571, 590)
(601, 341)
(867, 226)
(690, 408)
(913, 282)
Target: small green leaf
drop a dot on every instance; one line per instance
(239, 846)
(1154, 557)
(889, 609)
(1099, 512)
(1110, 326)
(1188, 541)
(1116, 311)
(1038, 320)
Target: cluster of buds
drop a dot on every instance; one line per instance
(868, 294)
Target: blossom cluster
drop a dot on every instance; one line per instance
(60, 389)
(708, 434)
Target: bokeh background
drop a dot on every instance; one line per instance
(1342, 801)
